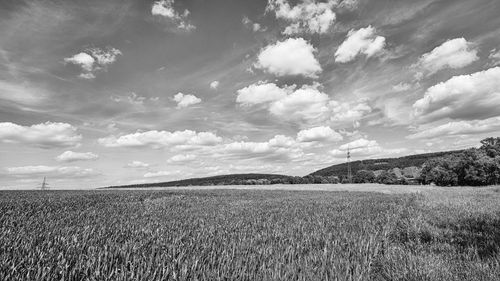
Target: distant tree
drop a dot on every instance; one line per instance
(387, 177)
(439, 171)
(364, 176)
(491, 146)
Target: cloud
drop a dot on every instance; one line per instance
(307, 103)
(70, 156)
(43, 135)
(181, 158)
(363, 147)
(137, 164)
(361, 41)
(133, 99)
(306, 17)
(251, 25)
(401, 87)
(454, 53)
(261, 92)
(494, 56)
(214, 85)
(186, 100)
(279, 148)
(469, 97)
(161, 174)
(322, 133)
(294, 56)
(459, 128)
(93, 60)
(84, 60)
(51, 171)
(165, 9)
(159, 139)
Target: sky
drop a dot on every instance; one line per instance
(97, 93)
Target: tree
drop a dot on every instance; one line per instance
(364, 176)
(387, 177)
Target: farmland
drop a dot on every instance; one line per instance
(251, 234)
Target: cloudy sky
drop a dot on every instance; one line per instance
(96, 93)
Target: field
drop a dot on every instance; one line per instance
(435, 234)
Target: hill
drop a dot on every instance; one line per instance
(233, 179)
(382, 164)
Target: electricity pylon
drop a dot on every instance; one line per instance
(45, 185)
(349, 171)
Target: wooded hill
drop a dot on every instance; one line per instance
(234, 179)
(417, 160)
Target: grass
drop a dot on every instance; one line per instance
(249, 235)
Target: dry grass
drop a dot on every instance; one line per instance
(437, 234)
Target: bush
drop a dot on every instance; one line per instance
(364, 176)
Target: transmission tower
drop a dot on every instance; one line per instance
(44, 185)
(349, 171)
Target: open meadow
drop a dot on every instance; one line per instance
(422, 233)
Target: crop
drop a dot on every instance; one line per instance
(246, 235)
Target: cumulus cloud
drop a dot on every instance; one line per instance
(279, 148)
(93, 60)
(214, 85)
(468, 97)
(401, 87)
(159, 139)
(186, 100)
(293, 56)
(51, 171)
(43, 135)
(307, 103)
(322, 133)
(363, 147)
(361, 41)
(306, 17)
(132, 98)
(70, 156)
(459, 128)
(261, 92)
(251, 25)
(137, 164)
(165, 9)
(454, 53)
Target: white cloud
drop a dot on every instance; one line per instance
(454, 53)
(133, 99)
(214, 85)
(494, 56)
(44, 135)
(70, 156)
(137, 164)
(306, 17)
(307, 103)
(361, 41)
(186, 100)
(158, 139)
(51, 171)
(294, 56)
(251, 25)
(401, 87)
(322, 133)
(82, 59)
(93, 60)
(181, 158)
(261, 92)
(473, 96)
(165, 9)
(459, 128)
